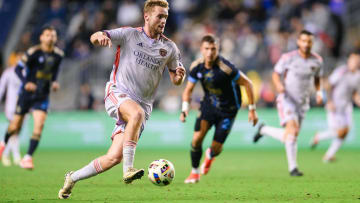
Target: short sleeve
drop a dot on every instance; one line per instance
(118, 35)
(193, 75)
(280, 66)
(175, 59)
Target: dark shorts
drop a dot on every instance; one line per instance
(26, 102)
(222, 121)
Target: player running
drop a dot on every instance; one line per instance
(141, 57)
(344, 86)
(10, 84)
(221, 83)
(293, 76)
(41, 64)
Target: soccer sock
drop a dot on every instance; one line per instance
(334, 147)
(324, 135)
(129, 148)
(33, 145)
(291, 150)
(277, 133)
(195, 154)
(15, 149)
(90, 170)
(7, 137)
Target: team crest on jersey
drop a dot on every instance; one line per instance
(199, 75)
(162, 52)
(41, 59)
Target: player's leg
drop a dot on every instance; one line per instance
(201, 128)
(13, 128)
(330, 133)
(134, 116)
(222, 130)
(336, 144)
(39, 117)
(291, 132)
(15, 148)
(95, 167)
(5, 158)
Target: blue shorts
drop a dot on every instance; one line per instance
(28, 101)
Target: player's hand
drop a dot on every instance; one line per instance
(104, 40)
(179, 73)
(183, 116)
(280, 89)
(253, 118)
(330, 106)
(55, 86)
(319, 99)
(30, 87)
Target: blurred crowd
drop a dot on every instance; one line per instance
(253, 33)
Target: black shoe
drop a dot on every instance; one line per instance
(257, 136)
(296, 172)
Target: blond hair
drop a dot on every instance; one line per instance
(150, 4)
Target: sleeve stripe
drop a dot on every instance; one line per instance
(20, 63)
(237, 76)
(191, 79)
(107, 34)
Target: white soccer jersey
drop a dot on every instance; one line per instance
(10, 83)
(140, 62)
(299, 74)
(345, 84)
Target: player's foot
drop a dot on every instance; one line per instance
(329, 160)
(2, 148)
(258, 135)
(296, 172)
(27, 163)
(6, 161)
(132, 174)
(314, 142)
(65, 191)
(193, 178)
(17, 160)
(205, 166)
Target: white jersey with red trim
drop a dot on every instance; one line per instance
(298, 74)
(140, 62)
(345, 83)
(10, 83)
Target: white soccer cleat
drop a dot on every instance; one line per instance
(6, 161)
(132, 174)
(65, 191)
(193, 178)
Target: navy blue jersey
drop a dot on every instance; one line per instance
(218, 83)
(41, 68)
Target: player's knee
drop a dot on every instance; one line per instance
(138, 116)
(343, 133)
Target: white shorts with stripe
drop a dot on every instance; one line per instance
(114, 97)
(289, 110)
(337, 120)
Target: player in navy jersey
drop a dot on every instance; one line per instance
(41, 64)
(221, 83)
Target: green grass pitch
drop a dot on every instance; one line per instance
(236, 176)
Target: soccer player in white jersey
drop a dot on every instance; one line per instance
(343, 88)
(10, 83)
(141, 58)
(293, 78)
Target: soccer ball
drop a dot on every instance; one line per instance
(161, 172)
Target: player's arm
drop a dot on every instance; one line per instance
(329, 87)
(356, 98)
(177, 77)
(100, 39)
(186, 99)
(3, 84)
(246, 82)
(279, 86)
(25, 63)
(319, 94)
(54, 83)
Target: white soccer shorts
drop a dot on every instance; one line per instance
(288, 110)
(337, 120)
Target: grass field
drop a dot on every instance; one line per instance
(236, 176)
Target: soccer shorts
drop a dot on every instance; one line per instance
(223, 122)
(289, 110)
(28, 101)
(113, 99)
(340, 119)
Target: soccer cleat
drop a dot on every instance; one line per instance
(258, 135)
(296, 172)
(17, 160)
(205, 166)
(27, 163)
(132, 174)
(193, 178)
(65, 191)
(6, 161)
(327, 160)
(2, 148)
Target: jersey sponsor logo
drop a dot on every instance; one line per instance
(162, 52)
(147, 61)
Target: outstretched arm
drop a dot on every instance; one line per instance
(246, 82)
(186, 98)
(100, 39)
